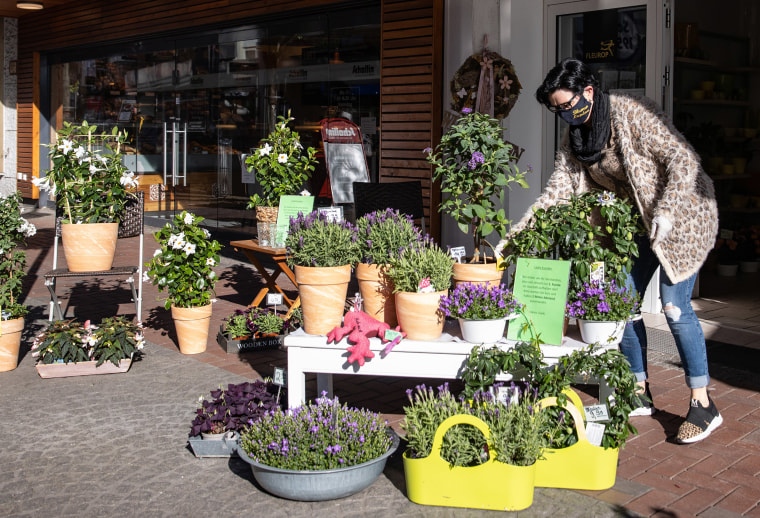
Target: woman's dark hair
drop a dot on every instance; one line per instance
(569, 74)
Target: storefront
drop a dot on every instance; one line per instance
(195, 98)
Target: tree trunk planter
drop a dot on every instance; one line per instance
(10, 341)
(89, 247)
(580, 466)
(66, 370)
(492, 485)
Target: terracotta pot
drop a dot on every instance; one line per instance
(477, 273)
(323, 296)
(192, 326)
(418, 314)
(10, 340)
(377, 293)
(89, 247)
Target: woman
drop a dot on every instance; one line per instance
(626, 145)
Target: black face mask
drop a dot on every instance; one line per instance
(578, 114)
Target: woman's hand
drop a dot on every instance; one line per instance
(661, 227)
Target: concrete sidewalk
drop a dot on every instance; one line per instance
(116, 444)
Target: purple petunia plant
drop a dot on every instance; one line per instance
(600, 301)
(316, 436)
(479, 302)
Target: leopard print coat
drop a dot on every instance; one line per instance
(665, 178)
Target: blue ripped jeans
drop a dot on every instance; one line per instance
(683, 322)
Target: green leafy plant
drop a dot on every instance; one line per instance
(316, 240)
(593, 227)
(603, 302)
(383, 232)
(88, 177)
(474, 164)
(319, 435)
(65, 341)
(254, 321)
(420, 266)
(281, 165)
(14, 230)
(183, 265)
(515, 425)
(526, 362)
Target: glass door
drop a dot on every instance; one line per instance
(627, 42)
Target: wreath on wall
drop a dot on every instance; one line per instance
(492, 78)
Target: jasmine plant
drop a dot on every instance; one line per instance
(319, 435)
(14, 230)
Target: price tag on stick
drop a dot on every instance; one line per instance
(278, 378)
(457, 253)
(273, 299)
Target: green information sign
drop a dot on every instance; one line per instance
(290, 206)
(541, 286)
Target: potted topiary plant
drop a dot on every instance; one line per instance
(227, 412)
(479, 453)
(92, 186)
(319, 451)
(281, 166)
(474, 165)
(14, 230)
(381, 234)
(421, 275)
(70, 348)
(323, 252)
(183, 266)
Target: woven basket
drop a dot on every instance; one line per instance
(266, 214)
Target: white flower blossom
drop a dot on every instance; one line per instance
(93, 169)
(188, 218)
(282, 158)
(210, 262)
(157, 253)
(129, 180)
(265, 150)
(65, 146)
(206, 233)
(211, 275)
(189, 249)
(146, 277)
(80, 153)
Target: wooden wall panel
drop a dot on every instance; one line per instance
(410, 100)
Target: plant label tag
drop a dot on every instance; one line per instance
(279, 378)
(274, 299)
(507, 395)
(457, 253)
(391, 335)
(597, 271)
(332, 214)
(596, 413)
(594, 433)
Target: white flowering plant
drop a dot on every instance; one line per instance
(281, 165)
(184, 264)
(65, 341)
(87, 176)
(14, 230)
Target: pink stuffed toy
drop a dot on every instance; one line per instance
(360, 327)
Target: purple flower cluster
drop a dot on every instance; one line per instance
(383, 232)
(603, 302)
(320, 435)
(476, 159)
(478, 301)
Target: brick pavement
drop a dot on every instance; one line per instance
(719, 477)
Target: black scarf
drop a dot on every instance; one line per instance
(587, 143)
